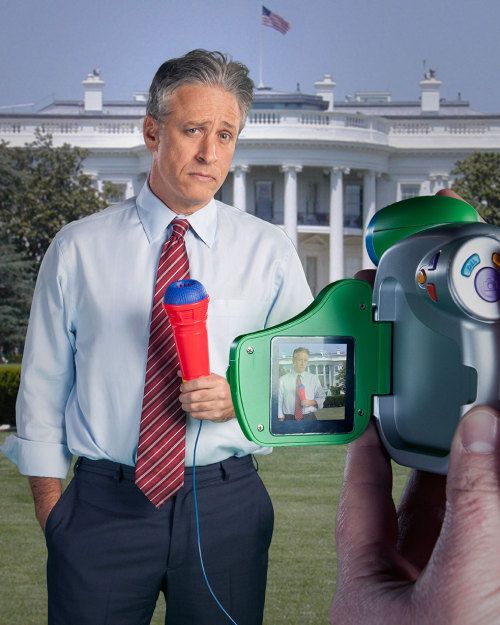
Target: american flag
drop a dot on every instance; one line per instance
(274, 21)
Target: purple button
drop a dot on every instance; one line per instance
(487, 284)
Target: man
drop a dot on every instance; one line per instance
(99, 378)
(300, 392)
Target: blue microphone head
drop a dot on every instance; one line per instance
(184, 292)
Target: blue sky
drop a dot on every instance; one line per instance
(47, 48)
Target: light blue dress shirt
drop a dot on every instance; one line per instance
(288, 390)
(85, 355)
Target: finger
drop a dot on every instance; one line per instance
(469, 543)
(474, 461)
(202, 406)
(198, 383)
(202, 395)
(213, 411)
(368, 275)
(366, 519)
(420, 516)
(450, 193)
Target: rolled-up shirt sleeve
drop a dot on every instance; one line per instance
(47, 375)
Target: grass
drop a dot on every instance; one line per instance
(304, 483)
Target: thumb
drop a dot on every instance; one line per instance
(473, 476)
(466, 553)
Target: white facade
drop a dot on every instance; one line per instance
(318, 167)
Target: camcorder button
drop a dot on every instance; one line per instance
(431, 290)
(433, 262)
(487, 284)
(470, 264)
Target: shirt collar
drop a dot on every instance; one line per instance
(156, 217)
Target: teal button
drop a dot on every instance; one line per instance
(470, 264)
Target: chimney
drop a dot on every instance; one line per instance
(429, 101)
(325, 88)
(93, 86)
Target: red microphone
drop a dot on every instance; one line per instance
(186, 304)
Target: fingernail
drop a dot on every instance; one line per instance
(480, 432)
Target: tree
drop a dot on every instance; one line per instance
(339, 387)
(41, 189)
(17, 279)
(341, 378)
(478, 182)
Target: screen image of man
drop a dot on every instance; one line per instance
(99, 377)
(300, 392)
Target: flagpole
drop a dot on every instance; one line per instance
(261, 84)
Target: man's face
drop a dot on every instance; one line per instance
(300, 362)
(193, 147)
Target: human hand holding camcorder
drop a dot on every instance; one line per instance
(434, 561)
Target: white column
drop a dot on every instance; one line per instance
(129, 191)
(239, 186)
(428, 185)
(369, 197)
(290, 211)
(337, 222)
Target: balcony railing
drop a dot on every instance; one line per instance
(318, 126)
(323, 219)
(313, 219)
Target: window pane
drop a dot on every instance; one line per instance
(409, 190)
(264, 201)
(353, 207)
(312, 212)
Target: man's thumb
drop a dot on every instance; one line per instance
(466, 556)
(474, 468)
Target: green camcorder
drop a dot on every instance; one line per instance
(415, 352)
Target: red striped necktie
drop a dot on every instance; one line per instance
(299, 413)
(159, 471)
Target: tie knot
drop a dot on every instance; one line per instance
(179, 228)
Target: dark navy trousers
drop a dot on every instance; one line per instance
(111, 552)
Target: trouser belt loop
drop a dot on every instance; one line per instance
(225, 472)
(119, 474)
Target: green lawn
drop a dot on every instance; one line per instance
(304, 484)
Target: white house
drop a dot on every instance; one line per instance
(317, 166)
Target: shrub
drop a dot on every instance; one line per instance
(334, 401)
(9, 385)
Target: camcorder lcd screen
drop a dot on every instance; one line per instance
(312, 385)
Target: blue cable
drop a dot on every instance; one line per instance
(198, 531)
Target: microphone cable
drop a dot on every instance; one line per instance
(197, 520)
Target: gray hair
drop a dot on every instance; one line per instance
(213, 69)
(299, 350)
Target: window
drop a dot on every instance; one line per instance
(409, 190)
(264, 201)
(353, 209)
(312, 212)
